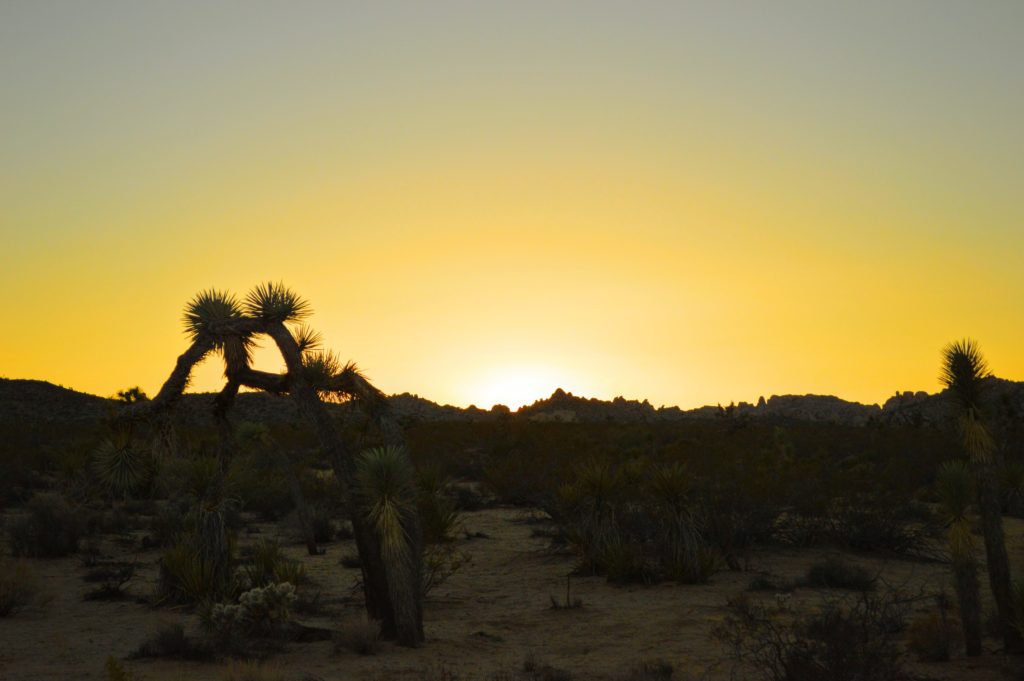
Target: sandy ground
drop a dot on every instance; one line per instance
(490, 616)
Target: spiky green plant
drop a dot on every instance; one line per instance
(320, 367)
(955, 489)
(307, 338)
(386, 494)
(215, 314)
(964, 373)
(275, 302)
(685, 555)
(120, 468)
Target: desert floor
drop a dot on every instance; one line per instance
(489, 617)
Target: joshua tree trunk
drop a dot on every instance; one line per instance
(995, 555)
(402, 621)
(301, 508)
(965, 582)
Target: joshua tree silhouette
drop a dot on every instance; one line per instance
(218, 322)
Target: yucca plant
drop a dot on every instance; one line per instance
(386, 496)
(685, 555)
(964, 373)
(120, 467)
(955, 490)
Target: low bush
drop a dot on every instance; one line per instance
(171, 642)
(18, 587)
(835, 572)
(167, 526)
(359, 636)
(187, 577)
(260, 612)
(851, 640)
(251, 671)
(110, 578)
(50, 528)
(933, 637)
(652, 670)
(269, 565)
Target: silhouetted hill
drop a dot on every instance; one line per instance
(39, 401)
(42, 402)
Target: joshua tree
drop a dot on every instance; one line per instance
(964, 372)
(218, 322)
(956, 489)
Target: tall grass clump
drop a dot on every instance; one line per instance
(634, 523)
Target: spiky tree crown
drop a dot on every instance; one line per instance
(208, 310)
(275, 302)
(212, 313)
(963, 372)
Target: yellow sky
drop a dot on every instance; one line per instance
(484, 202)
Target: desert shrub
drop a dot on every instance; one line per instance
(345, 532)
(439, 518)
(469, 498)
(538, 671)
(187, 577)
(440, 562)
(18, 587)
(269, 565)
(932, 637)
(880, 522)
(359, 636)
(116, 671)
(835, 572)
(171, 642)
(635, 523)
(1011, 484)
(652, 670)
(251, 670)
(261, 486)
(853, 640)
(50, 528)
(167, 526)
(351, 560)
(263, 611)
(110, 578)
(766, 583)
(191, 477)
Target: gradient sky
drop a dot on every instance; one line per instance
(686, 202)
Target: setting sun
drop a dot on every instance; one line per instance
(515, 387)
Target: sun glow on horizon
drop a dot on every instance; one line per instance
(515, 386)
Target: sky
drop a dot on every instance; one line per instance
(686, 202)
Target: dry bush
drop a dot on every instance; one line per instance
(50, 528)
(835, 572)
(251, 670)
(18, 587)
(652, 670)
(360, 636)
(110, 578)
(171, 642)
(853, 639)
(934, 636)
